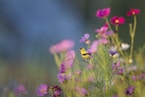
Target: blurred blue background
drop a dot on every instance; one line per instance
(29, 27)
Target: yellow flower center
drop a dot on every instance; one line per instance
(42, 91)
(116, 21)
(133, 13)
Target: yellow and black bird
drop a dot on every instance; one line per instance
(84, 53)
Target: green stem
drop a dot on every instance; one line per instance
(131, 48)
(62, 56)
(56, 58)
(130, 29)
(112, 38)
(117, 41)
(107, 21)
(116, 28)
(132, 34)
(135, 23)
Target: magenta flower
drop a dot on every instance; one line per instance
(63, 46)
(84, 92)
(63, 77)
(20, 90)
(85, 38)
(56, 91)
(62, 68)
(120, 71)
(133, 12)
(106, 25)
(117, 20)
(42, 90)
(129, 90)
(102, 13)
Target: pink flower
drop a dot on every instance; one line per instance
(78, 72)
(69, 58)
(89, 66)
(129, 90)
(93, 47)
(138, 77)
(63, 77)
(85, 38)
(116, 65)
(68, 61)
(103, 31)
(20, 90)
(82, 91)
(133, 12)
(103, 41)
(117, 20)
(63, 46)
(91, 79)
(42, 90)
(102, 13)
(120, 71)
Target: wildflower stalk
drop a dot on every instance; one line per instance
(132, 34)
(117, 41)
(62, 55)
(112, 38)
(107, 21)
(116, 28)
(56, 58)
(103, 70)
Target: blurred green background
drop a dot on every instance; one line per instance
(29, 27)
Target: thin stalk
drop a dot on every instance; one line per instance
(57, 60)
(117, 41)
(116, 28)
(135, 23)
(107, 21)
(132, 34)
(132, 47)
(62, 56)
(112, 38)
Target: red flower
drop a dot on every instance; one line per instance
(117, 20)
(102, 13)
(133, 12)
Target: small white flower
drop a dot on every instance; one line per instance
(124, 46)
